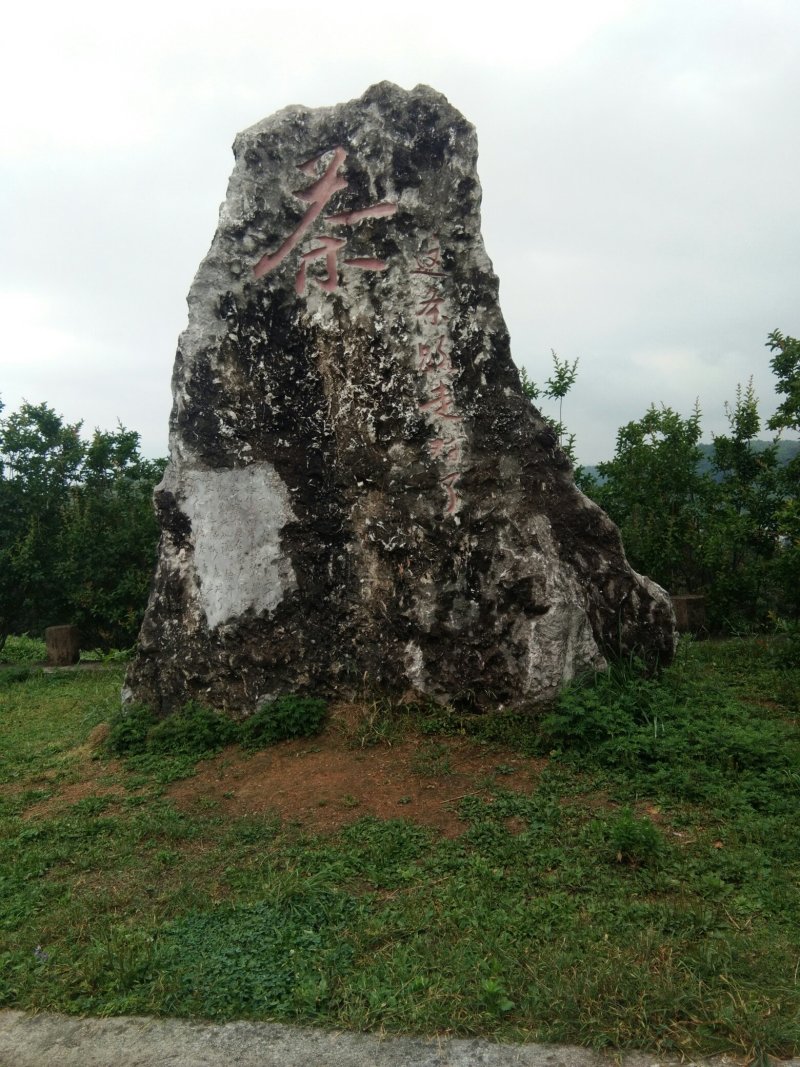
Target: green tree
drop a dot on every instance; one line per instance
(108, 539)
(785, 364)
(556, 387)
(742, 523)
(40, 460)
(654, 491)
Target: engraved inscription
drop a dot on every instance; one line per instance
(317, 195)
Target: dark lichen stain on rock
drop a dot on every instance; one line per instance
(322, 398)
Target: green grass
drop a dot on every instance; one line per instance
(645, 895)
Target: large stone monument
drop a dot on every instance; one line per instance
(358, 492)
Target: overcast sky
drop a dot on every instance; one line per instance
(640, 163)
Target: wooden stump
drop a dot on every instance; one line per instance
(63, 645)
(690, 613)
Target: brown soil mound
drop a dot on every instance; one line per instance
(324, 783)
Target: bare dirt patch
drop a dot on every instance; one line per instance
(71, 794)
(88, 778)
(321, 783)
(324, 783)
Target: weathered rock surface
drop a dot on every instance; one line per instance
(358, 491)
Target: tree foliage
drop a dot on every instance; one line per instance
(729, 529)
(77, 529)
(653, 490)
(555, 387)
(785, 365)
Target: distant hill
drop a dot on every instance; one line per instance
(787, 450)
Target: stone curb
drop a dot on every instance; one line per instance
(129, 1041)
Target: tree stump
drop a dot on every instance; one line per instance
(690, 613)
(63, 645)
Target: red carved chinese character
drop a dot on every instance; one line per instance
(317, 196)
(448, 449)
(431, 306)
(330, 246)
(449, 482)
(433, 357)
(429, 261)
(443, 402)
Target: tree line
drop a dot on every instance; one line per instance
(78, 533)
(77, 529)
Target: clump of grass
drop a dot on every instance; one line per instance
(633, 841)
(194, 730)
(129, 730)
(374, 721)
(432, 761)
(517, 729)
(107, 656)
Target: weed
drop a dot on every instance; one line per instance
(284, 956)
(376, 722)
(495, 996)
(109, 656)
(13, 676)
(194, 731)
(633, 841)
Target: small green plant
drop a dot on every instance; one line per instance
(282, 719)
(495, 997)
(635, 842)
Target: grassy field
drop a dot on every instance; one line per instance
(634, 883)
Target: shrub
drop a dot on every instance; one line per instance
(284, 718)
(24, 649)
(192, 731)
(129, 729)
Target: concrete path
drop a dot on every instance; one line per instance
(65, 1041)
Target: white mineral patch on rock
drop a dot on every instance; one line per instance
(237, 517)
